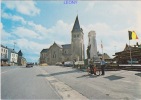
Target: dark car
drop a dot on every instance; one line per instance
(29, 65)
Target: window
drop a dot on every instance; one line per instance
(77, 35)
(12, 59)
(74, 36)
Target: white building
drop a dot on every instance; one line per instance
(4, 55)
(12, 56)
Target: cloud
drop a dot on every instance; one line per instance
(62, 27)
(13, 17)
(43, 31)
(23, 7)
(23, 32)
(90, 6)
(5, 36)
(1, 26)
(31, 46)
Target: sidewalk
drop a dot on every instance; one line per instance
(113, 85)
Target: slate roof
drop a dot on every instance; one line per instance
(3, 46)
(58, 45)
(44, 50)
(20, 53)
(12, 50)
(66, 46)
(76, 26)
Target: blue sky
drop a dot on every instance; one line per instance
(35, 25)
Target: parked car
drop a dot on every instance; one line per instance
(58, 64)
(29, 64)
(68, 63)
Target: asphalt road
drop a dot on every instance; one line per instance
(58, 82)
(23, 83)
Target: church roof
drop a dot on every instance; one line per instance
(44, 50)
(58, 45)
(66, 46)
(76, 26)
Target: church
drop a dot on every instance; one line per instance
(67, 52)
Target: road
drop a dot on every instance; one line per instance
(58, 82)
(23, 83)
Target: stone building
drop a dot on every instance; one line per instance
(125, 56)
(43, 56)
(21, 59)
(67, 52)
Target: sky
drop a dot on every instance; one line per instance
(36, 25)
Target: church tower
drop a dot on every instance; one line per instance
(77, 42)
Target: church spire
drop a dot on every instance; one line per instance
(20, 53)
(76, 26)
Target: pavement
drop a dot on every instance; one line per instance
(67, 83)
(122, 84)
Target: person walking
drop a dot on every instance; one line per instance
(91, 67)
(102, 63)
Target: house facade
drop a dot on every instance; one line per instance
(12, 57)
(4, 55)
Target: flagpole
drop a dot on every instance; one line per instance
(130, 53)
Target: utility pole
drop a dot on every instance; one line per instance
(14, 45)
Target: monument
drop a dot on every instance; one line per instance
(92, 46)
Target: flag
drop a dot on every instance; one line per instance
(132, 35)
(101, 45)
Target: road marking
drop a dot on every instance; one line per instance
(65, 91)
(8, 71)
